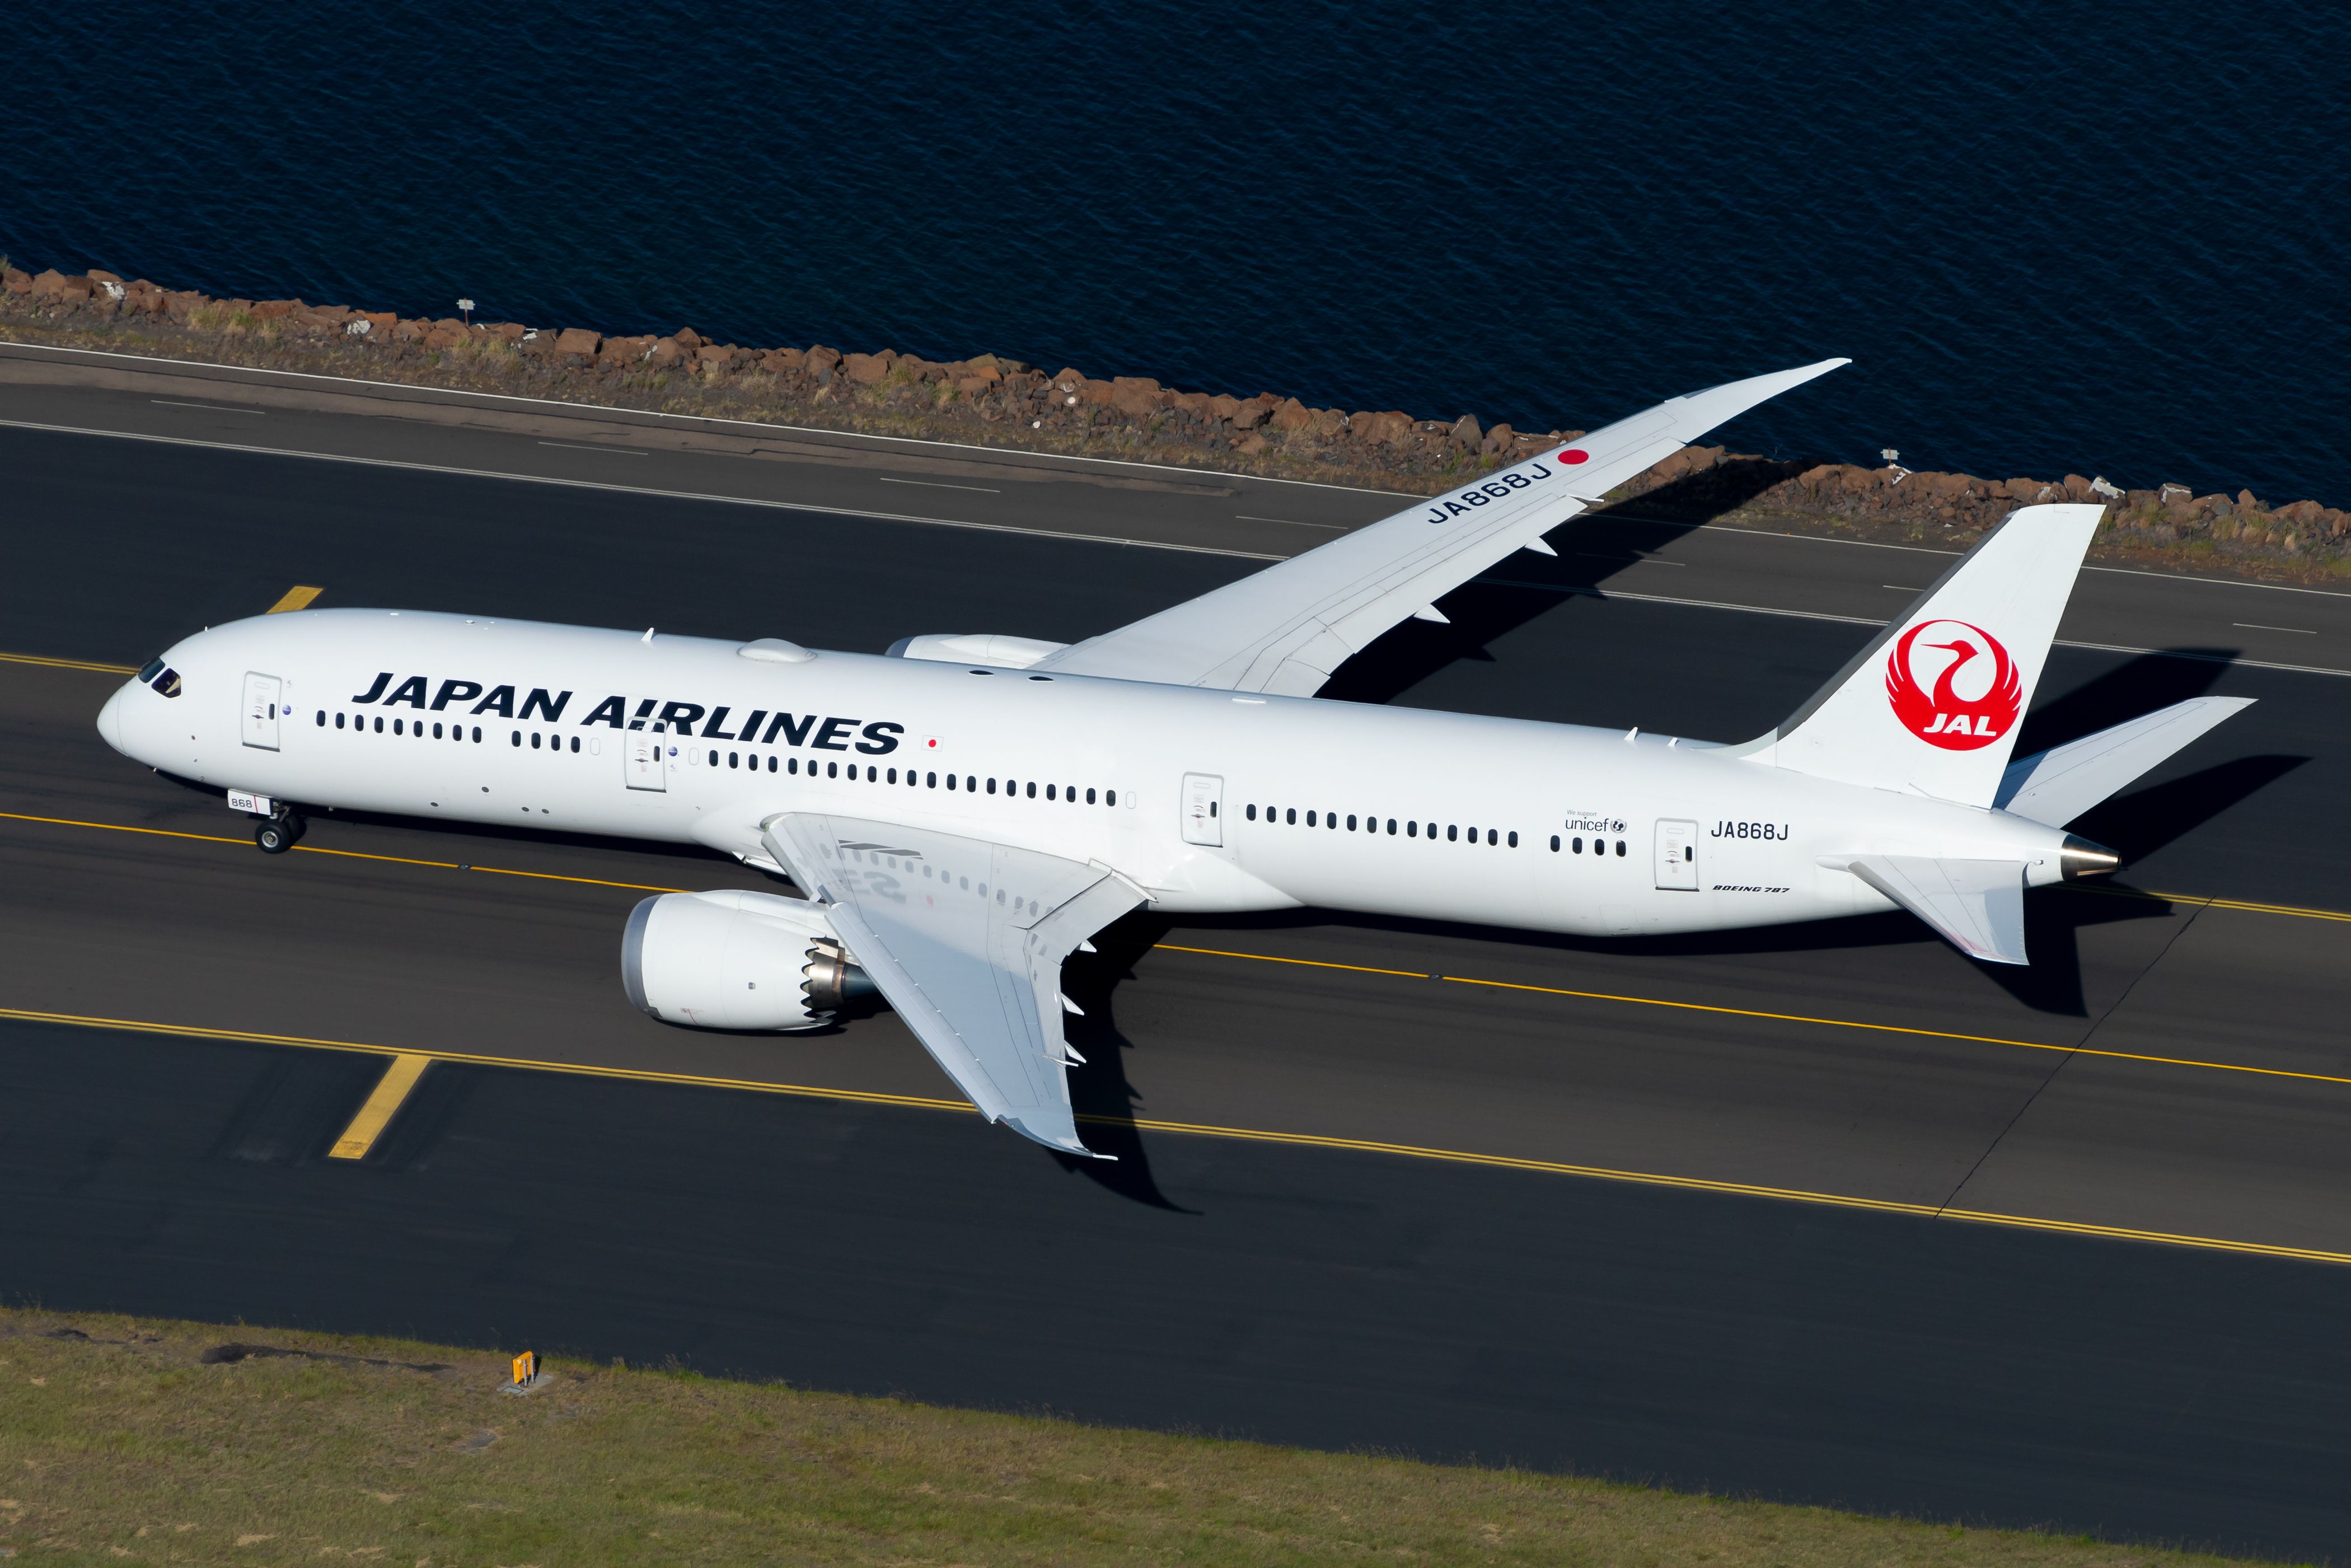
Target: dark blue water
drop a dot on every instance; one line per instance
(2110, 239)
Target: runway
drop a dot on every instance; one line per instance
(1827, 1213)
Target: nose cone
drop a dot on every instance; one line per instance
(109, 718)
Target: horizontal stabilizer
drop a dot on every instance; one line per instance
(2056, 786)
(1978, 907)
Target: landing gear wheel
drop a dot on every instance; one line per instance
(276, 836)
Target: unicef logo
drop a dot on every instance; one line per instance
(1953, 686)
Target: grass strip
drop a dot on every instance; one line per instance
(133, 1440)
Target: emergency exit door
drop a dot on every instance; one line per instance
(1678, 856)
(1203, 809)
(262, 697)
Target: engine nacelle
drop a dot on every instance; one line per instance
(975, 648)
(735, 960)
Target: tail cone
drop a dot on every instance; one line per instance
(2082, 858)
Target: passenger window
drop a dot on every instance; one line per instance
(893, 776)
(1412, 829)
(991, 786)
(516, 734)
(477, 734)
(395, 726)
(1351, 821)
(575, 750)
(1049, 791)
(1392, 827)
(831, 769)
(1554, 844)
(1620, 849)
(1089, 797)
(1579, 844)
(1514, 838)
(339, 721)
(1290, 816)
(322, 718)
(795, 767)
(951, 784)
(970, 783)
(734, 760)
(1110, 797)
(771, 763)
(534, 740)
(1490, 836)
(931, 781)
(1451, 834)
(1032, 789)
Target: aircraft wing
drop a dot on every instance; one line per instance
(1287, 628)
(964, 938)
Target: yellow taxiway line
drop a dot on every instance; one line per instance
(68, 664)
(1190, 1129)
(390, 1091)
(342, 854)
(298, 597)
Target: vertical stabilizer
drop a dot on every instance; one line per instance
(1933, 704)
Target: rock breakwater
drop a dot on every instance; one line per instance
(998, 401)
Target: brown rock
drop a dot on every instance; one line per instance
(1383, 427)
(17, 280)
(577, 340)
(442, 338)
(687, 338)
(1501, 438)
(822, 362)
(1465, 432)
(273, 309)
(410, 331)
(506, 331)
(783, 362)
(1251, 444)
(663, 353)
(380, 322)
(866, 369)
(2245, 499)
(1224, 405)
(1138, 395)
(714, 359)
(54, 285)
(97, 275)
(1291, 416)
(1249, 415)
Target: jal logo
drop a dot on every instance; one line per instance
(1953, 686)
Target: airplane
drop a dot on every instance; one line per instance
(962, 813)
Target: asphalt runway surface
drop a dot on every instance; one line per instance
(1686, 1210)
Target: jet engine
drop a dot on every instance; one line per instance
(735, 960)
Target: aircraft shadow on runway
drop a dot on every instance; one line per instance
(1103, 1097)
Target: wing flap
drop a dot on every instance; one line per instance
(964, 938)
(1285, 629)
(1978, 907)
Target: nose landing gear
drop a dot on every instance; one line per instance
(278, 834)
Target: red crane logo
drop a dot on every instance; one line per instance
(1953, 686)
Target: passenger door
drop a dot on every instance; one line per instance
(1676, 855)
(643, 765)
(1203, 810)
(261, 704)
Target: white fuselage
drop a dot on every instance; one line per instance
(1223, 802)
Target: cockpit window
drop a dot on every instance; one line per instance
(149, 671)
(168, 683)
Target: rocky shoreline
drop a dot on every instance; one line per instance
(998, 402)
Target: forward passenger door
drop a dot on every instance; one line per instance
(261, 694)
